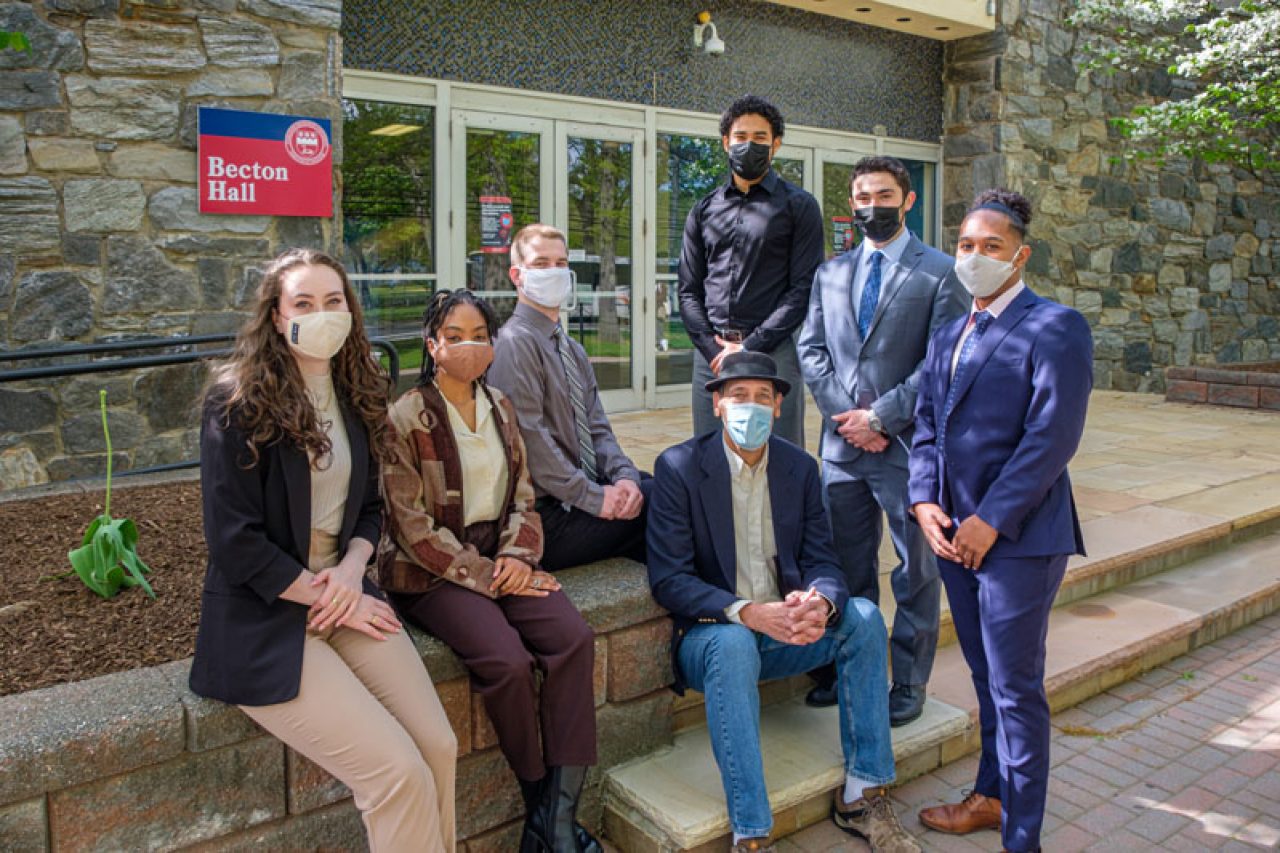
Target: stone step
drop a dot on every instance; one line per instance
(672, 799)
(1106, 639)
(1144, 541)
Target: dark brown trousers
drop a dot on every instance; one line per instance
(505, 642)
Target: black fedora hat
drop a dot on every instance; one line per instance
(745, 364)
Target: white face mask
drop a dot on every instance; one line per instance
(549, 287)
(320, 334)
(982, 275)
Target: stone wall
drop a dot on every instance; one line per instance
(1177, 265)
(135, 761)
(99, 231)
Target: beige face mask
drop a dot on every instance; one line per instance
(320, 334)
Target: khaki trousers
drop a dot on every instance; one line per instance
(368, 713)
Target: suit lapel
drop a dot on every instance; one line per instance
(359, 443)
(782, 500)
(850, 294)
(996, 332)
(717, 506)
(297, 478)
(889, 288)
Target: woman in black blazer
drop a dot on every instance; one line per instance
(291, 630)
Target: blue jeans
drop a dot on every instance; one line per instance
(727, 662)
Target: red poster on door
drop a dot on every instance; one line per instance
(264, 164)
(496, 222)
(841, 233)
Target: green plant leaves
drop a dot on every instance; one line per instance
(17, 41)
(107, 560)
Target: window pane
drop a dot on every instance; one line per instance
(790, 170)
(502, 175)
(388, 235)
(600, 253)
(838, 221)
(689, 167)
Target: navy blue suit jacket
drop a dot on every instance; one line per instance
(1015, 425)
(692, 558)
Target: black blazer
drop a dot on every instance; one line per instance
(257, 524)
(692, 563)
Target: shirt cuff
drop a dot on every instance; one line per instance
(831, 605)
(731, 612)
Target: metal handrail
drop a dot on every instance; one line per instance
(51, 371)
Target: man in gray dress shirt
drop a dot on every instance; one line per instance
(590, 496)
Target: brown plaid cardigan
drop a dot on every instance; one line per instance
(424, 541)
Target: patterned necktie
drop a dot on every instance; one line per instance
(981, 321)
(586, 449)
(870, 295)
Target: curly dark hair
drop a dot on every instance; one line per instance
(880, 163)
(261, 385)
(752, 105)
(995, 199)
(438, 310)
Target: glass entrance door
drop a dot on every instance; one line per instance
(598, 205)
(508, 184)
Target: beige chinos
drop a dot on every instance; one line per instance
(366, 712)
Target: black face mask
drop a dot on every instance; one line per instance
(749, 160)
(877, 223)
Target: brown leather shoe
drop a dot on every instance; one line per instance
(971, 814)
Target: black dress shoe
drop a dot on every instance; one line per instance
(821, 697)
(906, 703)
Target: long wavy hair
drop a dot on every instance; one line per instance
(261, 385)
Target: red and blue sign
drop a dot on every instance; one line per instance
(264, 164)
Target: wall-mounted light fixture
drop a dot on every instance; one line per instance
(711, 43)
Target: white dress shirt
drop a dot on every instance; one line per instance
(995, 309)
(753, 544)
(483, 460)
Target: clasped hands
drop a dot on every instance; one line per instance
(622, 501)
(799, 619)
(970, 544)
(855, 428)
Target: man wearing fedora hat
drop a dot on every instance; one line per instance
(740, 554)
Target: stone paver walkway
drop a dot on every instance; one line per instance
(1183, 758)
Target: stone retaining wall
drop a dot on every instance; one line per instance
(99, 231)
(135, 761)
(1174, 265)
(1237, 386)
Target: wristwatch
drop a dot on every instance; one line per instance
(873, 421)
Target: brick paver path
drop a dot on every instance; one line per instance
(1185, 757)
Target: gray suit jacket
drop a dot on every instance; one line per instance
(921, 294)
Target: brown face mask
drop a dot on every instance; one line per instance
(465, 361)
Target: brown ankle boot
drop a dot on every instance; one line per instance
(972, 813)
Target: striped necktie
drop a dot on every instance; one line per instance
(586, 449)
(981, 321)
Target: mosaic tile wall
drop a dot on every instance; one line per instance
(821, 71)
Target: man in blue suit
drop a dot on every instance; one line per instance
(740, 554)
(1000, 413)
(871, 312)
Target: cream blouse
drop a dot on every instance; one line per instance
(331, 474)
(483, 460)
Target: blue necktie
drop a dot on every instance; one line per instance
(981, 321)
(870, 295)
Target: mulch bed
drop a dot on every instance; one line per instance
(54, 630)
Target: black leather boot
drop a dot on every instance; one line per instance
(571, 836)
(539, 801)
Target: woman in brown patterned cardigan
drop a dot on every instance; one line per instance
(459, 556)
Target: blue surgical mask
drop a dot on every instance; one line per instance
(749, 424)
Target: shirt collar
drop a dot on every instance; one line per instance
(769, 184)
(535, 318)
(995, 309)
(738, 466)
(483, 408)
(893, 251)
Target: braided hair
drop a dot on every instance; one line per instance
(438, 310)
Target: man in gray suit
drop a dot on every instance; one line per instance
(871, 313)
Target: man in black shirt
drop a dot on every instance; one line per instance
(747, 262)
